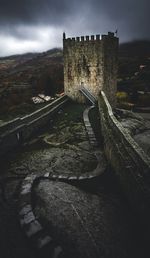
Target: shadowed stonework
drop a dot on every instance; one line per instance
(91, 62)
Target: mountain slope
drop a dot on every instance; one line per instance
(24, 76)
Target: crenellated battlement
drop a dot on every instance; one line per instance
(87, 38)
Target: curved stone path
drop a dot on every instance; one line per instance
(92, 139)
(56, 212)
(28, 221)
(34, 171)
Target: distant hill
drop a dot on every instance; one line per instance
(137, 48)
(27, 75)
(20, 56)
(132, 55)
(52, 52)
(134, 71)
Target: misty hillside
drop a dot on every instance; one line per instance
(25, 76)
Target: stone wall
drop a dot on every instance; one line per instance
(90, 62)
(17, 131)
(130, 162)
(110, 67)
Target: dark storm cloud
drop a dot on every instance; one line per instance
(32, 11)
(23, 19)
(130, 15)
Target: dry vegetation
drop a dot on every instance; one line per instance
(25, 76)
(134, 75)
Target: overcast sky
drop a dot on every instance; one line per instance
(37, 25)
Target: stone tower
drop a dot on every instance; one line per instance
(90, 62)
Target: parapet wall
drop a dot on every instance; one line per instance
(130, 163)
(17, 131)
(92, 38)
(90, 62)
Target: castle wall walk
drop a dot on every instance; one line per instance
(130, 162)
(19, 130)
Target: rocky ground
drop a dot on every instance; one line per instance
(138, 125)
(88, 219)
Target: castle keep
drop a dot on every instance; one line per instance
(90, 62)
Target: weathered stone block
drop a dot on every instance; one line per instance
(26, 209)
(43, 241)
(28, 218)
(33, 228)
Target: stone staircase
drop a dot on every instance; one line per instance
(88, 95)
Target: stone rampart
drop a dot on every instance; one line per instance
(130, 162)
(18, 121)
(17, 131)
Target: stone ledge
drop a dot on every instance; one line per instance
(130, 163)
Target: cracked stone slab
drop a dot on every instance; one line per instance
(33, 228)
(57, 252)
(54, 176)
(27, 219)
(26, 209)
(82, 177)
(90, 176)
(26, 188)
(25, 199)
(72, 178)
(29, 179)
(47, 174)
(62, 177)
(43, 241)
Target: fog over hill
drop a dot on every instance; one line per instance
(27, 75)
(131, 48)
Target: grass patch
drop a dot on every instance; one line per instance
(71, 113)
